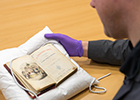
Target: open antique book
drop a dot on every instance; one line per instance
(44, 68)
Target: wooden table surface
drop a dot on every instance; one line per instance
(21, 19)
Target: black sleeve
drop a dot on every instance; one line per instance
(111, 52)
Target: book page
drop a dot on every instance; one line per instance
(57, 65)
(25, 83)
(19, 78)
(28, 69)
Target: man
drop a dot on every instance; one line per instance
(121, 20)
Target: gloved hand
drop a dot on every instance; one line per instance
(72, 46)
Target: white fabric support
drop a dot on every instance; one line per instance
(76, 83)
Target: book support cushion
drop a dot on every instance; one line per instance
(70, 87)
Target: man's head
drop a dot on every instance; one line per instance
(117, 16)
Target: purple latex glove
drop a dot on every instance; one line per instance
(72, 46)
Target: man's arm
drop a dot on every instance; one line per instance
(105, 51)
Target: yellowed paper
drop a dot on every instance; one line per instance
(31, 72)
(53, 62)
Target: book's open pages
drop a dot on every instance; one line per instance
(57, 65)
(45, 67)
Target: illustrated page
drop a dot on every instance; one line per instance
(31, 72)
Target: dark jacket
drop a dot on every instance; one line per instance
(122, 53)
(130, 89)
(112, 52)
